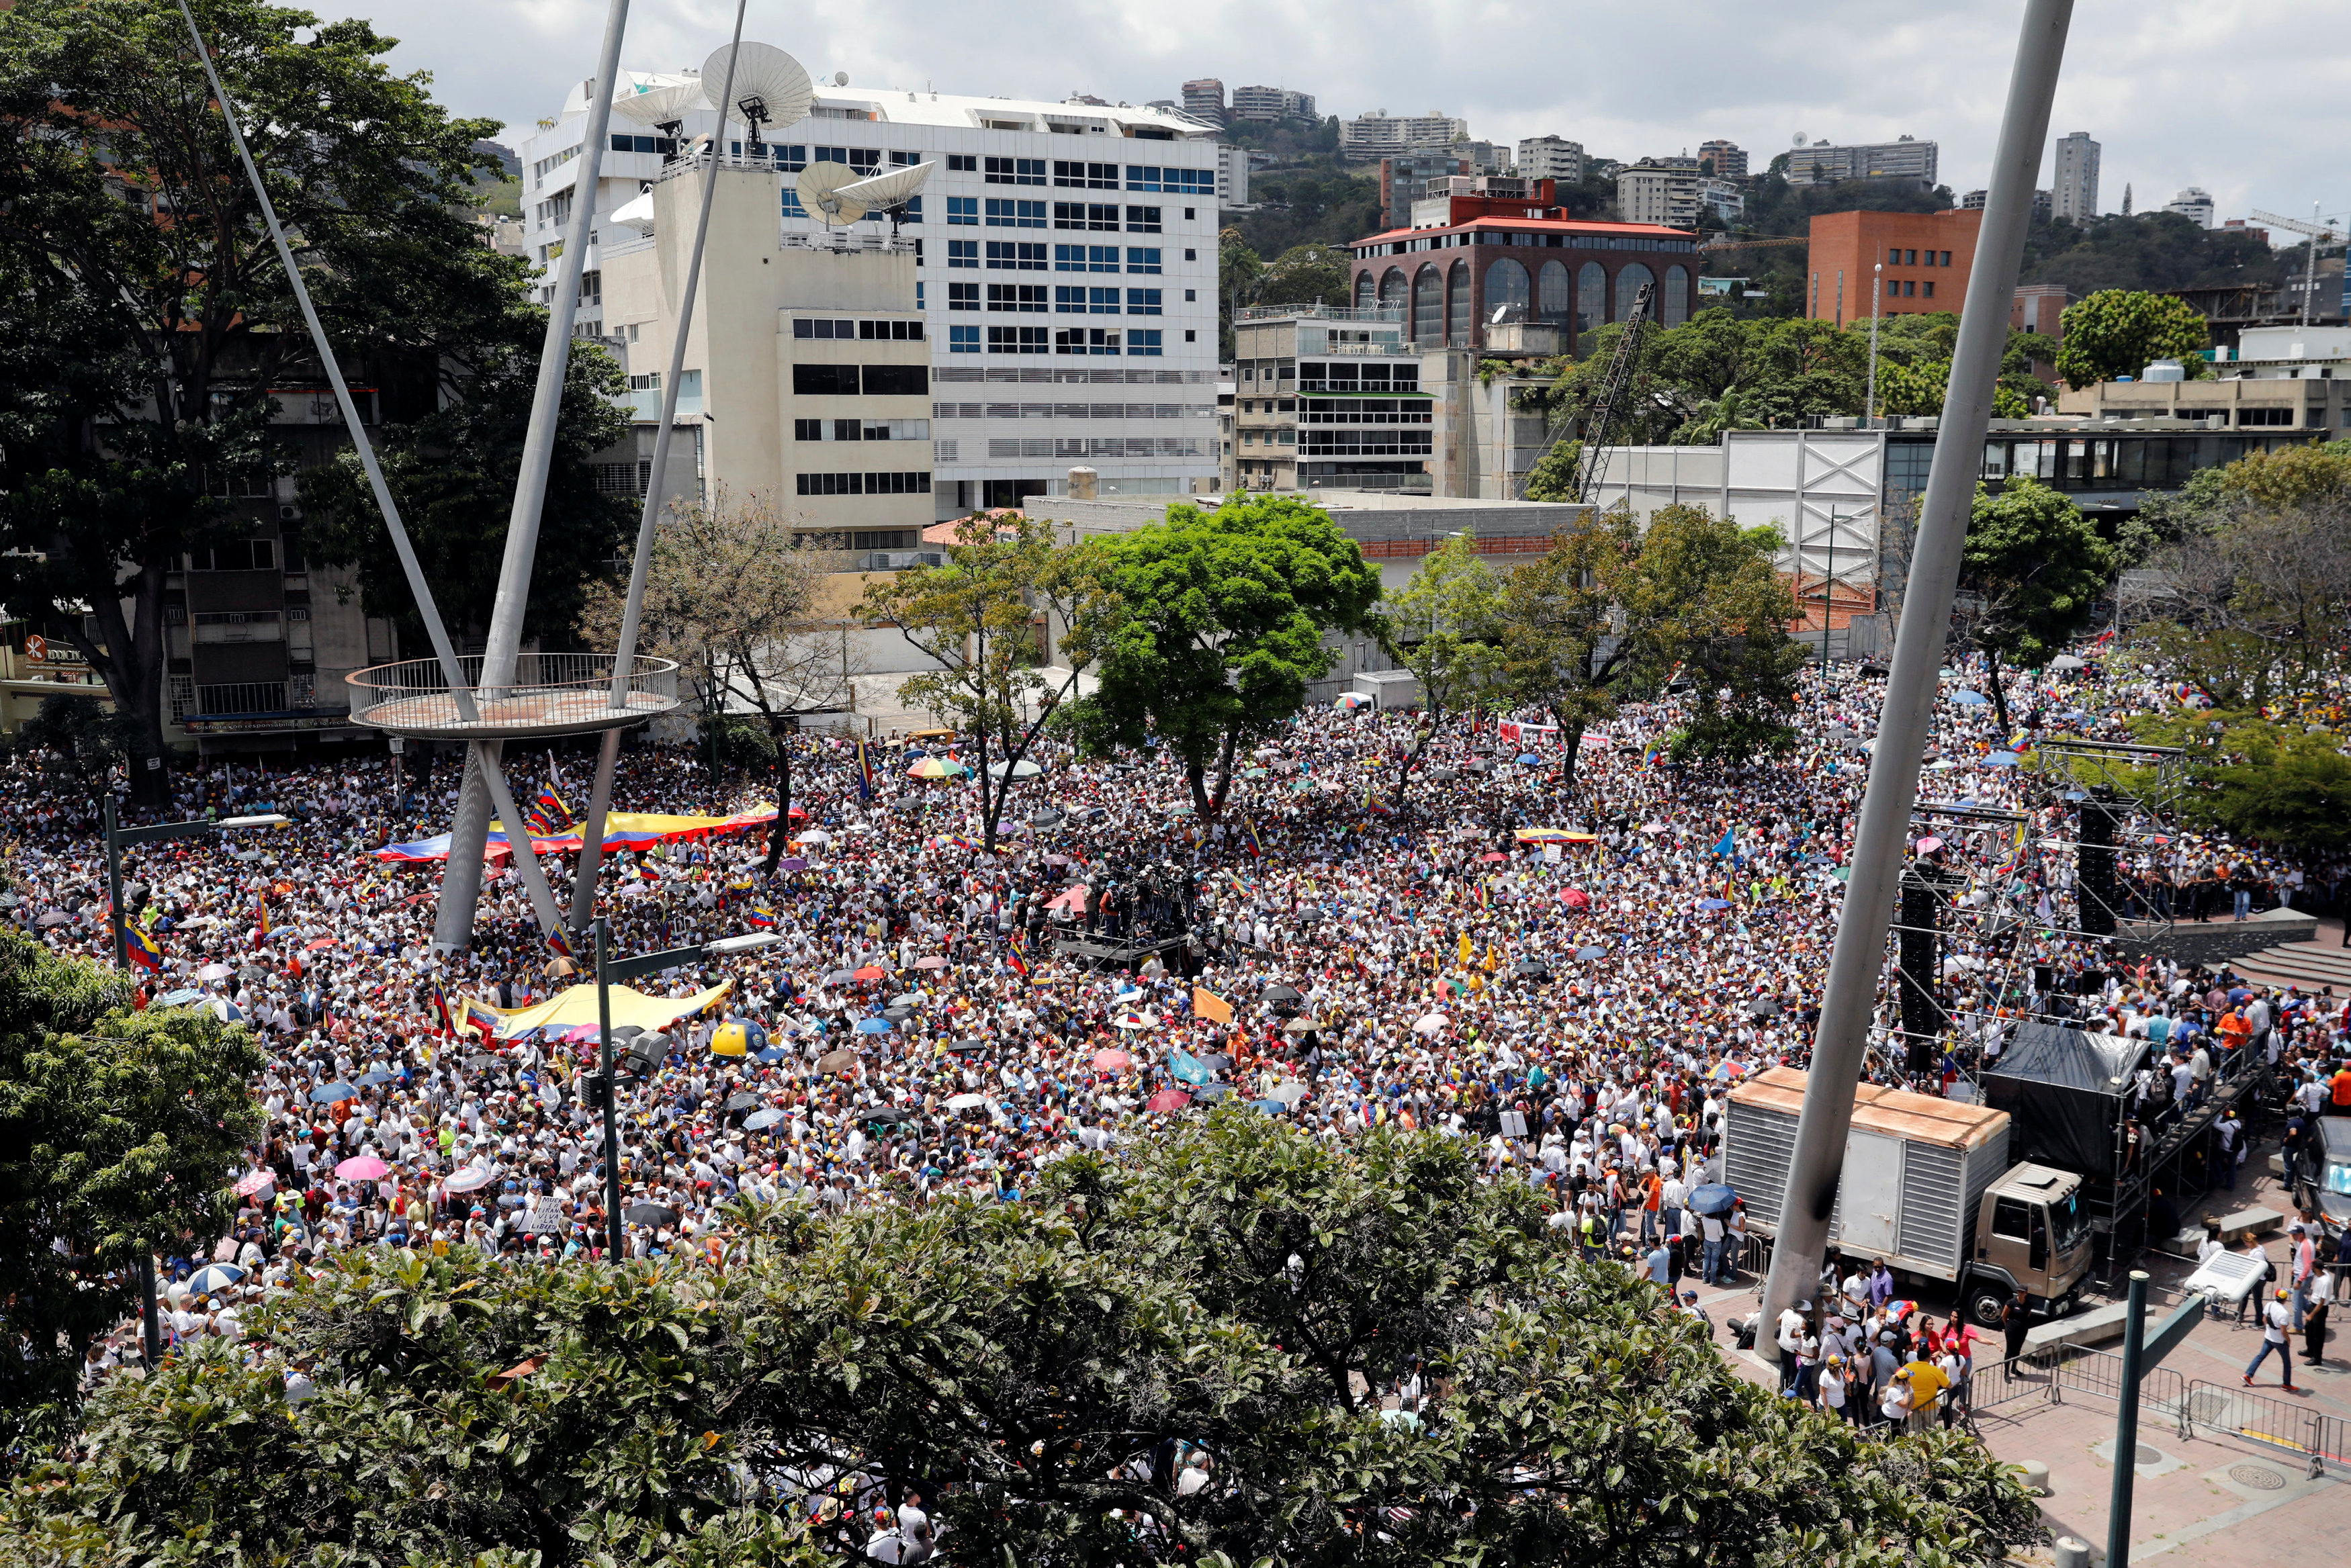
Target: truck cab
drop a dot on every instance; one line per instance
(2031, 1231)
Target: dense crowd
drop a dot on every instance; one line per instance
(1574, 1002)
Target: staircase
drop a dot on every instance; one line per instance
(2308, 965)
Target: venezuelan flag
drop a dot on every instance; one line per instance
(761, 915)
(140, 950)
(1020, 965)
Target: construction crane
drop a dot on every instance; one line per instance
(1608, 409)
(1717, 247)
(2320, 234)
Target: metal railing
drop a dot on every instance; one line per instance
(1319, 311)
(550, 693)
(847, 240)
(2255, 1417)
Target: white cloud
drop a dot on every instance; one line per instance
(2242, 101)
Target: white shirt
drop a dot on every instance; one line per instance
(2279, 1317)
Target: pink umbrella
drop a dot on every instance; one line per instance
(1167, 1100)
(1072, 899)
(321, 942)
(361, 1167)
(1110, 1060)
(935, 962)
(470, 1181)
(256, 1181)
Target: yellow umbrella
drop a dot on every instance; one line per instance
(577, 1006)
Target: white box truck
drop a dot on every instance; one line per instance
(1928, 1186)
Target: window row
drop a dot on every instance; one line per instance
(1895, 255)
(864, 483)
(1065, 299)
(1907, 288)
(1140, 341)
(871, 380)
(1105, 258)
(1096, 446)
(1026, 256)
(863, 331)
(910, 213)
(1072, 411)
(1440, 306)
(860, 430)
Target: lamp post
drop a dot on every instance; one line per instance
(116, 837)
(1876, 294)
(608, 969)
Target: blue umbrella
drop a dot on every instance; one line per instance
(2000, 760)
(772, 1054)
(1530, 759)
(1591, 952)
(1271, 1107)
(328, 1094)
(760, 1121)
(1971, 699)
(178, 998)
(214, 1277)
(1715, 1197)
(873, 1026)
(1714, 903)
(377, 1076)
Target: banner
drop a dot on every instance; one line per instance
(1527, 736)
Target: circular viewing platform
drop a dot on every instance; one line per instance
(550, 694)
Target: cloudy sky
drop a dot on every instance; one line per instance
(2234, 99)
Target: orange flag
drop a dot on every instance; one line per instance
(1208, 1006)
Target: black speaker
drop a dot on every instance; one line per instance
(1923, 1018)
(2093, 866)
(2044, 980)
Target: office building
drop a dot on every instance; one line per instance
(1825, 163)
(1267, 105)
(1925, 257)
(1232, 177)
(1659, 190)
(1370, 137)
(2251, 232)
(1403, 178)
(1552, 158)
(1507, 249)
(1056, 245)
(2193, 203)
(1327, 396)
(1723, 160)
(2041, 307)
(2074, 189)
(1204, 101)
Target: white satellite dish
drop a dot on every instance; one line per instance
(637, 214)
(1799, 140)
(824, 192)
(891, 189)
(769, 88)
(840, 78)
(659, 106)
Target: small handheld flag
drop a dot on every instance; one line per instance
(561, 944)
(140, 950)
(1728, 845)
(864, 772)
(761, 915)
(1020, 965)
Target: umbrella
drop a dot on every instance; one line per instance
(760, 1121)
(178, 998)
(361, 1167)
(1167, 1100)
(328, 1094)
(967, 1102)
(1971, 699)
(649, 1214)
(873, 1026)
(1271, 1107)
(1429, 1023)
(868, 972)
(1023, 769)
(2067, 662)
(471, 1180)
(1136, 1020)
(1299, 1025)
(1047, 819)
(772, 1054)
(214, 1277)
(215, 971)
(1527, 759)
(886, 1116)
(1710, 904)
(254, 1181)
(933, 962)
(314, 945)
(1763, 1007)
(1592, 952)
(898, 1012)
(1491, 856)
(377, 1076)
(1110, 1059)
(1928, 845)
(1530, 969)
(937, 768)
(1071, 898)
(2002, 760)
(1714, 1198)
(1281, 994)
(1287, 1093)
(813, 835)
(841, 977)
(741, 1102)
(1576, 899)
(791, 862)
(1353, 700)
(53, 918)
(836, 1062)
(1212, 1093)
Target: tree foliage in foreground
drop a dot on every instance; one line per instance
(1239, 1286)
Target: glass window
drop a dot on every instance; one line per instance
(1144, 342)
(1103, 215)
(1591, 297)
(1002, 215)
(1508, 287)
(962, 339)
(1392, 286)
(1143, 219)
(1016, 255)
(1457, 303)
(1142, 302)
(1015, 170)
(1429, 306)
(1086, 340)
(963, 297)
(1676, 295)
(1554, 295)
(963, 163)
(1365, 285)
(1142, 258)
(963, 253)
(1628, 285)
(1017, 339)
(1085, 176)
(964, 210)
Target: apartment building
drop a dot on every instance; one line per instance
(1204, 101)
(1552, 158)
(1368, 138)
(1267, 105)
(2075, 189)
(1055, 247)
(1825, 163)
(1328, 396)
(2194, 203)
(1723, 160)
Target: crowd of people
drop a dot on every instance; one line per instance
(1569, 970)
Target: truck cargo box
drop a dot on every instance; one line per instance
(1916, 1168)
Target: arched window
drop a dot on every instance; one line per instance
(1457, 303)
(1429, 306)
(1364, 286)
(1591, 297)
(1554, 295)
(1676, 295)
(1628, 283)
(1506, 284)
(1392, 286)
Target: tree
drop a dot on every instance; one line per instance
(1239, 270)
(89, 738)
(1221, 626)
(145, 308)
(1443, 627)
(2277, 780)
(2033, 569)
(1561, 628)
(2119, 332)
(1705, 597)
(1304, 274)
(731, 594)
(1557, 474)
(120, 1131)
(452, 473)
(1238, 1286)
(986, 620)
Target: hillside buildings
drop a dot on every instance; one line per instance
(1825, 163)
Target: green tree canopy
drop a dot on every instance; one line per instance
(2119, 332)
(1220, 623)
(1304, 273)
(1444, 627)
(2033, 570)
(1026, 1367)
(119, 1131)
(146, 314)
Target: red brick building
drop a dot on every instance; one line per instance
(1512, 246)
(1926, 256)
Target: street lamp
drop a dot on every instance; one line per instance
(608, 969)
(116, 837)
(1877, 297)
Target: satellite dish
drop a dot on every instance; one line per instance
(659, 106)
(1799, 139)
(887, 190)
(840, 78)
(769, 87)
(824, 192)
(637, 214)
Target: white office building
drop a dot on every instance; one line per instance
(2193, 203)
(1068, 282)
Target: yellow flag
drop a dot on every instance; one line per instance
(1468, 950)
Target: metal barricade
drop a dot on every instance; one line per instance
(2098, 1374)
(2268, 1423)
